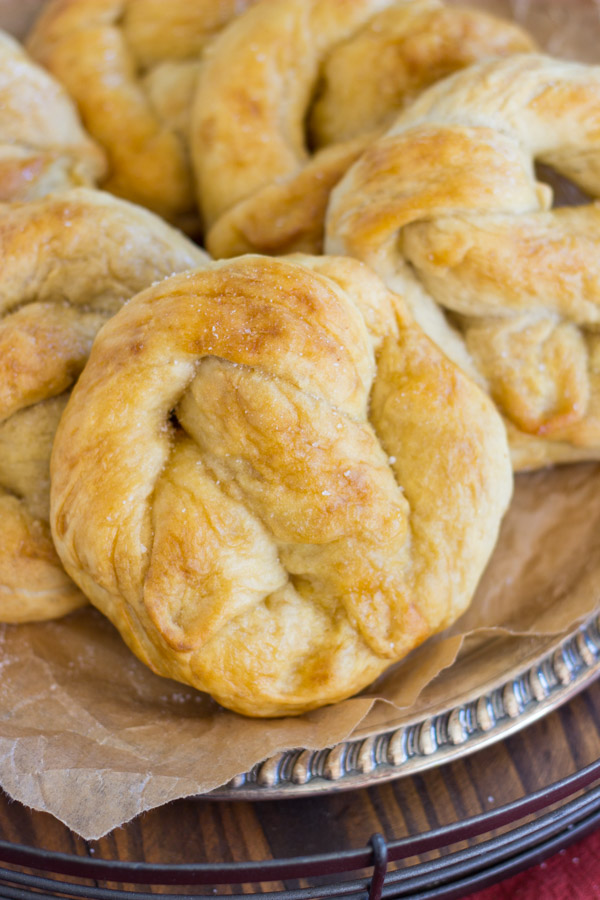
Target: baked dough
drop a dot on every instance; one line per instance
(131, 67)
(263, 178)
(68, 263)
(280, 491)
(447, 208)
(43, 147)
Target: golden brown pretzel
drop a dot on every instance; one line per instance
(447, 206)
(43, 147)
(260, 185)
(68, 263)
(131, 67)
(281, 491)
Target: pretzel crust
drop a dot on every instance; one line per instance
(69, 262)
(43, 147)
(447, 208)
(282, 555)
(292, 92)
(131, 67)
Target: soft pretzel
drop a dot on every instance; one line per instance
(283, 489)
(43, 147)
(68, 263)
(263, 183)
(447, 206)
(131, 67)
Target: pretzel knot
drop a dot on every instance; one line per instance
(68, 263)
(290, 94)
(131, 67)
(447, 206)
(283, 489)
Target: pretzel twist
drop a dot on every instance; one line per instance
(43, 147)
(282, 554)
(447, 206)
(68, 263)
(263, 179)
(131, 66)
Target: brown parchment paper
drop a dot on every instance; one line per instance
(88, 734)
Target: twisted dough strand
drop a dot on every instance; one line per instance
(447, 208)
(264, 177)
(68, 263)
(280, 555)
(131, 66)
(43, 147)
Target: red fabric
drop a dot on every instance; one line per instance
(572, 874)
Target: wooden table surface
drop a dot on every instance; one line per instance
(201, 830)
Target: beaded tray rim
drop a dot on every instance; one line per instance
(446, 734)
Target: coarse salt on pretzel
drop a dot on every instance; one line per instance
(283, 489)
(68, 263)
(447, 206)
(291, 93)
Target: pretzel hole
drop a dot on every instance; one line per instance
(312, 141)
(565, 192)
(173, 421)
